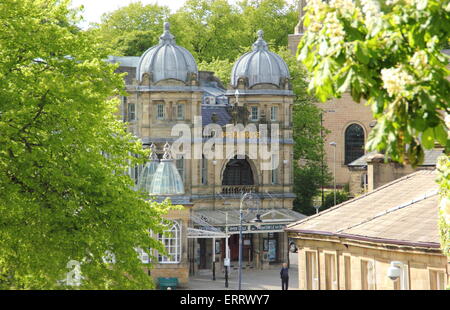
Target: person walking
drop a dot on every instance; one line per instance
(284, 274)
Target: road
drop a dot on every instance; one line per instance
(251, 279)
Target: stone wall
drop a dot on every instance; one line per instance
(357, 181)
(380, 173)
(338, 115)
(180, 270)
(421, 265)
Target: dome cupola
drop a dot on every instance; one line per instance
(167, 60)
(260, 66)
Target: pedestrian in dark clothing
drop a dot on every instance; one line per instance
(284, 274)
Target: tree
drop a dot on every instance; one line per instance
(310, 169)
(389, 54)
(341, 196)
(131, 30)
(221, 68)
(63, 193)
(217, 29)
(209, 29)
(276, 17)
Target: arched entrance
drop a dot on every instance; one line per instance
(238, 172)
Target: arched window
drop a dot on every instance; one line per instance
(172, 242)
(238, 172)
(354, 143)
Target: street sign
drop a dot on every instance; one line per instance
(226, 262)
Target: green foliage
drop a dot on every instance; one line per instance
(341, 196)
(443, 167)
(62, 194)
(277, 18)
(389, 54)
(391, 57)
(307, 183)
(131, 30)
(308, 134)
(209, 29)
(221, 68)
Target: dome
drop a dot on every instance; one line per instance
(167, 60)
(166, 180)
(146, 177)
(260, 66)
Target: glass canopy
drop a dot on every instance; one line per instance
(146, 177)
(166, 180)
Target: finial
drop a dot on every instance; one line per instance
(260, 44)
(167, 154)
(167, 37)
(260, 34)
(153, 155)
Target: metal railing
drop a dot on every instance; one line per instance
(238, 189)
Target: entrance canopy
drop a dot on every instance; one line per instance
(272, 220)
(194, 233)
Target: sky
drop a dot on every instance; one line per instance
(93, 9)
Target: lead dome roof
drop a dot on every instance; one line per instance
(260, 66)
(167, 60)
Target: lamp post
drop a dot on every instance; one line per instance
(214, 162)
(227, 253)
(317, 207)
(246, 195)
(333, 144)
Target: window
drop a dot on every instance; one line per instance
(160, 111)
(354, 143)
(367, 275)
(254, 115)
(274, 114)
(312, 279)
(402, 283)
(180, 111)
(134, 172)
(437, 280)
(180, 167)
(131, 112)
(124, 108)
(171, 239)
(274, 171)
(204, 170)
(364, 181)
(330, 272)
(238, 172)
(348, 272)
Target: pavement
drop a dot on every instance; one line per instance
(251, 279)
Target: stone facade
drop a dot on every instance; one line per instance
(165, 90)
(338, 114)
(349, 262)
(179, 270)
(354, 245)
(371, 171)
